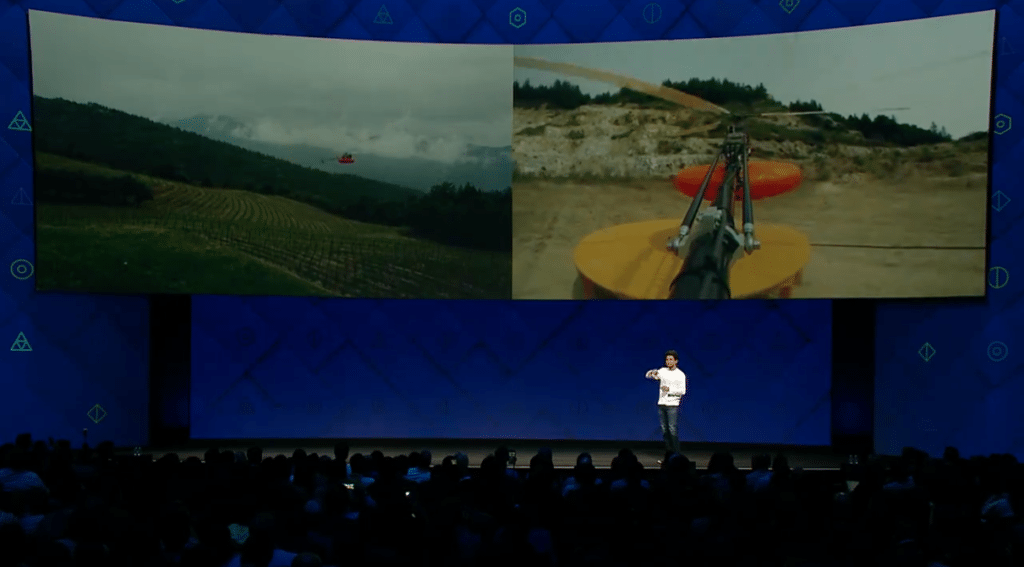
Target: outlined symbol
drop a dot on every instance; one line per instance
(926, 352)
(1001, 124)
(22, 269)
(517, 17)
(21, 198)
(652, 13)
(998, 277)
(96, 413)
(999, 201)
(246, 337)
(383, 16)
(19, 123)
(997, 351)
(788, 5)
(21, 344)
(1005, 48)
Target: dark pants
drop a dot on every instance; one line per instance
(669, 418)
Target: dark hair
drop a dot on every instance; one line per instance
(761, 462)
(673, 354)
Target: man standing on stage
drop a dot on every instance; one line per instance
(673, 388)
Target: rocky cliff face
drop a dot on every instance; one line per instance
(629, 142)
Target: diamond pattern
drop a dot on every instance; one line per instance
(517, 369)
(87, 348)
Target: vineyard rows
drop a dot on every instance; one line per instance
(243, 206)
(348, 264)
(371, 267)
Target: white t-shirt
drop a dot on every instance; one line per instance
(676, 382)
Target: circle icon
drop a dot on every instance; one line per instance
(998, 277)
(652, 13)
(22, 269)
(997, 351)
(789, 5)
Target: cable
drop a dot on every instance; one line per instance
(891, 247)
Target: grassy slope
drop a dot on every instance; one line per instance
(97, 134)
(195, 240)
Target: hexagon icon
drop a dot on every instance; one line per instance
(1001, 124)
(517, 17)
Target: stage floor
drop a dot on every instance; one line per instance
(564, 452)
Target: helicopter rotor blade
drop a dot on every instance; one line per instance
(800, 113)
(658, 91)
(700, 129)
(811, 112)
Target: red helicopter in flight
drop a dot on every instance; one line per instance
(345, 158)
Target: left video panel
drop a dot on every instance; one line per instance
(177, 160)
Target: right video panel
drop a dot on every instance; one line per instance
(843, 163)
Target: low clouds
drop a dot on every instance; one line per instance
(392, 99)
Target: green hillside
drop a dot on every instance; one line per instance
(179, 238)
(456, 216)
(93, 133)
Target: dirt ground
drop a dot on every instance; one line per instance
(915, 218)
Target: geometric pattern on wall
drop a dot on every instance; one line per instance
(961, 387)
(758, 372)
(69, 363)
(955, 326)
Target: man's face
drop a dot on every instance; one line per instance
(670, 361)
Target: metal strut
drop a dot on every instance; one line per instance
(708, 241)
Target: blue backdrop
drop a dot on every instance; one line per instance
(71, 362)
(952, 344)
(758, 372)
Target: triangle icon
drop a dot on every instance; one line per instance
(21, 344)
(1005, 48)
(20, 123)
(383, 16)
(21, 198)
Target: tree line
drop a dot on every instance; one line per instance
(736, 97)
(466, 216)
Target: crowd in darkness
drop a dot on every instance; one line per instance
(62, 506)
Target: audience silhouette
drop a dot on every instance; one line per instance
(61, 507)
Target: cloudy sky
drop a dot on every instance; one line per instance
(940, 68)
(391, 99)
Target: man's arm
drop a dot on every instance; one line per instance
(653, 375)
